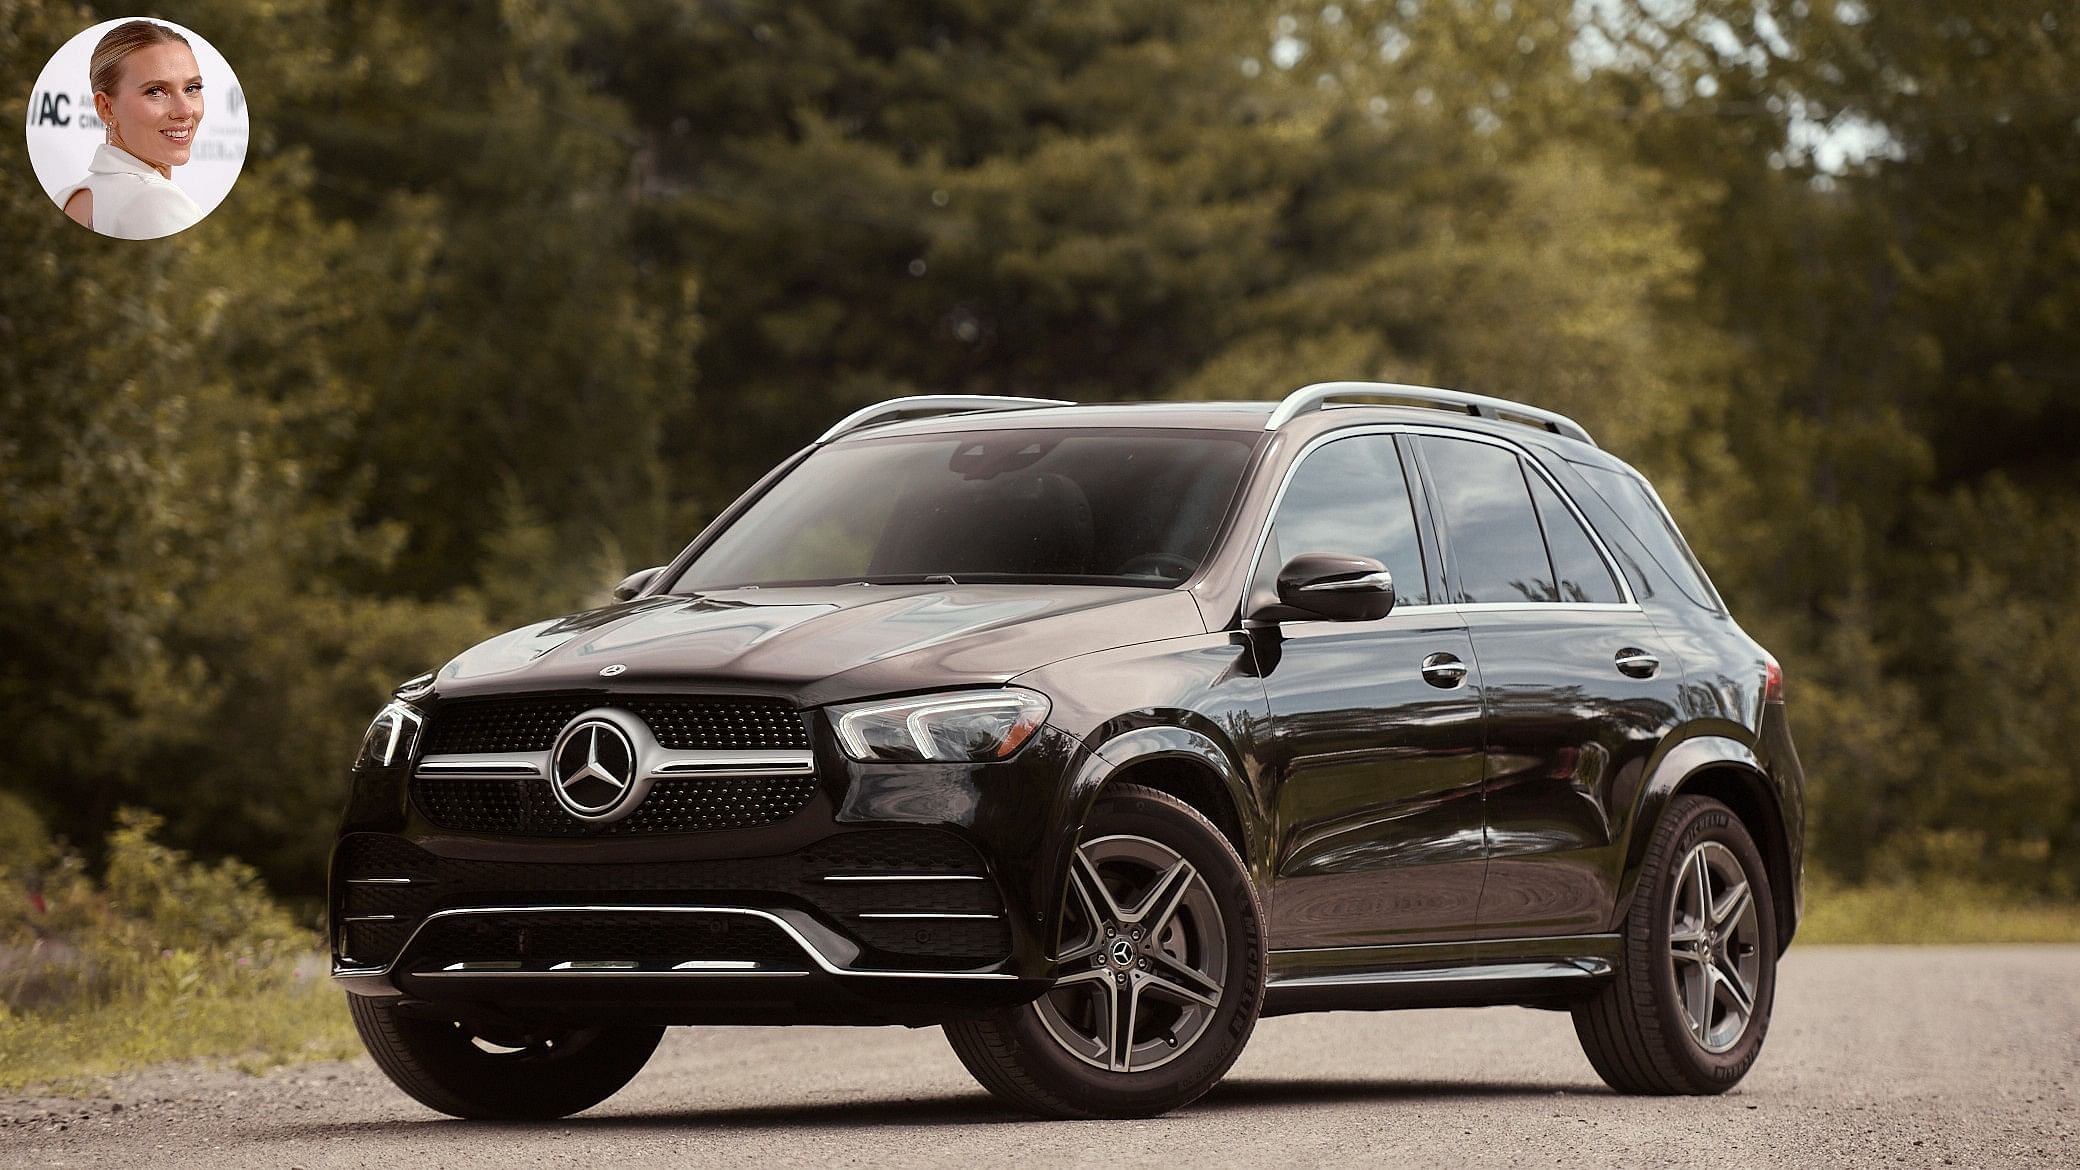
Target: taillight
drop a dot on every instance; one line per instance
(1772, 681)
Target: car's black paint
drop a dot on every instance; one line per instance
(1480, 838)
(1375, 780)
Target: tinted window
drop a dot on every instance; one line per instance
(1496, 553)
(1582, 573)
(1642, 513)
(1350, 496)
(1129, 507)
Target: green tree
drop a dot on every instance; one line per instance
(257, 473)
(1896, 253)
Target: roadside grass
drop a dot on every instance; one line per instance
(64, 1051)
(160, 958)
(1932, 911)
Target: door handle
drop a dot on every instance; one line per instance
(1637, 663)
(1444, 670)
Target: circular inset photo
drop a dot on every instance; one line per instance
(137, 128)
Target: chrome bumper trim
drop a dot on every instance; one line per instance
(902, 877)
(674, 973)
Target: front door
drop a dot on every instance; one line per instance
(1376, 751)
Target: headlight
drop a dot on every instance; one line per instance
(959, 726)
(391, 737)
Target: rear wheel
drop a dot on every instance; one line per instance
(1690, 1003)
(499, 1075)
(1159, 978)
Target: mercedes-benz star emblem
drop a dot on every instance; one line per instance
(595, 763)
(611, 671)
(1122, 953)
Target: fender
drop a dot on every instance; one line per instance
(1670, 776)
(1106, 761)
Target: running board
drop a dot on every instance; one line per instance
(1453, 975)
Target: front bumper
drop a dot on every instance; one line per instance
(896, 894)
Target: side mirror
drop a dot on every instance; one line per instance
(636, 582)
(1330, 587)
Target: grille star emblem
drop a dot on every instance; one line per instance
(595, 763)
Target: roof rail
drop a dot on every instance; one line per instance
(1322, 394)
(867, 416)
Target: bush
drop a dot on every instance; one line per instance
(164, 958)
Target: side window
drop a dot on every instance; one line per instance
(1496, 552)
(1581, 571)
(1351, 496)
(1642, 513)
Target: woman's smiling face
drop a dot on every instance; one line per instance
(157, 106)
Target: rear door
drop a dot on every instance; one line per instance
(1580, 688)
(1376, 763)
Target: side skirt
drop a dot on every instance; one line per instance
(1535, 972)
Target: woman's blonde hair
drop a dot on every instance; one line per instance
(105, 67)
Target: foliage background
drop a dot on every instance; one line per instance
(512, 296)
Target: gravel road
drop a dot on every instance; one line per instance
(1878, 1056)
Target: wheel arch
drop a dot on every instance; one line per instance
(1183, 762)
(1729, 772)
(1191, 780)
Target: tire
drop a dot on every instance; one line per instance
(535, 1077)
(1186, 957)
(1641, 1030)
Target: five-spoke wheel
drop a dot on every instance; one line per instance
(1689, 1004)
(1159, 972)
(1714, 949)
(1144, 980)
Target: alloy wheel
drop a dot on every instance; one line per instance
(1714, 946)
(1144, 956)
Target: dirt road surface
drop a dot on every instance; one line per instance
(1879, 1056)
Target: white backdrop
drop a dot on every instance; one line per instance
(63, 129)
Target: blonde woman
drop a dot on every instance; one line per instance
(148, 93)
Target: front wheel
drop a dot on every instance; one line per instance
(1690, 1002)
(1159, 978)
(494, 1075)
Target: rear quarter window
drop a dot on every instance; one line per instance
(1640, 510)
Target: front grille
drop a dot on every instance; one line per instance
(694, 804)
(733, 724)
(650, 939)
(682, 723)
(796, 879)
(476, 806)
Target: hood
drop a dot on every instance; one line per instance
(820, 645)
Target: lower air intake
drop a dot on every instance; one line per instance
(650, 940)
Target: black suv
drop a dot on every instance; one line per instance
(1093, 733)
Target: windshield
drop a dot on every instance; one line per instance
(1112, 507)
